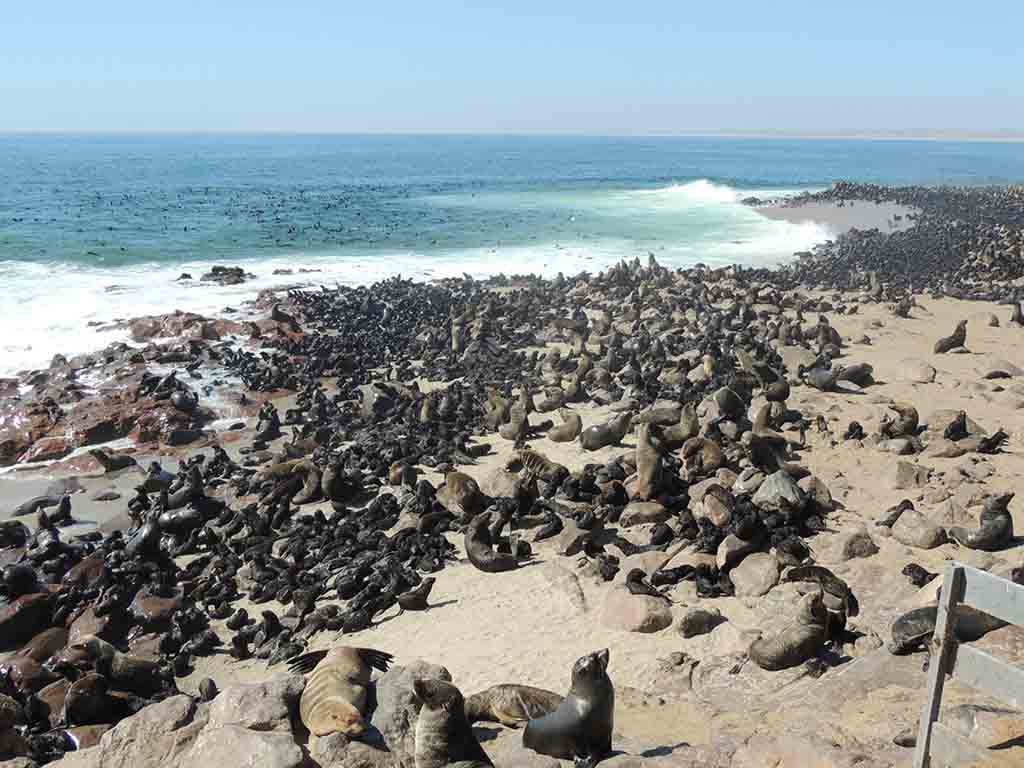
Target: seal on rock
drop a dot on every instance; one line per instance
(581, 728)
(334, 699)
(112, 462)
(511, 704)
(799, 641)
(996, 530)
(568, 430)
(610, 433)
(648, 464)
(443, 734)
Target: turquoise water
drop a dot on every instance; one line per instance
(98, 227)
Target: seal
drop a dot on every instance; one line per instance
(581, 728)
(568, 430)
(112, 462)
(444, 737)
(648, 464)
(479, 548)
(905, 426)
(956, 339)
(610, 433)
(511, 704)
(799, 641)
(996, 531)
(334, 699)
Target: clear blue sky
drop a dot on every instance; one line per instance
(602, 66)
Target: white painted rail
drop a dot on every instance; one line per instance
(937, 745)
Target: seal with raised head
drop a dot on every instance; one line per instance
(334, 699)
(112, 462)
(648, 464)
(956, 339)
(581, 728)
(996, 531)
(444, 737)
(568, 430)
(511, 704)
(799, 641)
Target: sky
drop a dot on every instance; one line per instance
(601, 66)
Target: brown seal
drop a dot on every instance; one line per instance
(996, 526)
(568, 430)
(957, 339)
(334, 699)
(45, 644)
(511, 704)
(610, 433)
(799, 641)
(479, 548)
(648, 464)
(688, 426)
(444, 736)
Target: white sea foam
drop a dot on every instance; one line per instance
(46, 309)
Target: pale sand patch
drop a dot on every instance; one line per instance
(858, 214)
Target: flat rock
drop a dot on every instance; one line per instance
(635, 613)
(266, 706)
(240, 747)
(641, 512)
(567, 583)
(941, 448)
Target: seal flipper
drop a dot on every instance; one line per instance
(306, 662)
(379, 660)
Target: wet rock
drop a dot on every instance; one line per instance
(48, 449)
(755, 575)
(635, 613)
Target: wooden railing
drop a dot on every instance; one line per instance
(938, 746)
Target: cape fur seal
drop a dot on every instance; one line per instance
(581, 728)
(648, 464)
(610, 433)
(511, 704)
(799, 641)
(444, 736)
(568, 430)
(996, 530)
(480, 551)
(334, 699)
(957, 339)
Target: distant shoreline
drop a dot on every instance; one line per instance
(952, 137)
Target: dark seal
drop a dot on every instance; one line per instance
(581, 728)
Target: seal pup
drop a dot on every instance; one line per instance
(444, 736)
(568, 430)
(636, 583)
(996, 526)
(610, 433)
(334, 699)
(799, 641)
(511, 704)
(581, 728)
(415, 599)
(956, 339)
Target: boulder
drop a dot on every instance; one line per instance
(915, 530)
(635, 613)
(567, 583)
(338, 751)
(941, 448)
(733, 549)
(904, 475)
(777, 486)
(855, 544)
(817, 492)
(239, 747)
(267, 706)
(755, 575)
(398, 708)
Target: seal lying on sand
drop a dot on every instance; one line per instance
(480, 551)
(334, 699)
(444, 736)
(511, 704)
(569, 430)
(581, 727)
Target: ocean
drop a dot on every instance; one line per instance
(94, 228)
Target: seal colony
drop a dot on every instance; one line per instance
(357, 491)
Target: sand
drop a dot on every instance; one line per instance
(838, 219)
(521, 627)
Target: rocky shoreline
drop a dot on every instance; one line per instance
(669, 464)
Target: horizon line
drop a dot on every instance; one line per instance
(937, 136)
